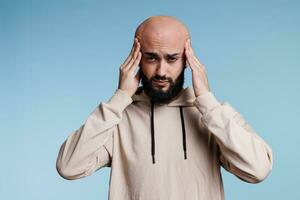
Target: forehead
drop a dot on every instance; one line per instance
(162, 43)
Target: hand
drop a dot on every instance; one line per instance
(128, 82)
(200, 82)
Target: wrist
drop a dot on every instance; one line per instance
(203, 92)
(128, 93)
(206, 102)
(120, 100)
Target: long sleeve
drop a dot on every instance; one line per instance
(242, 151)
(90, 147)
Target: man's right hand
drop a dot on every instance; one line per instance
(128, 81)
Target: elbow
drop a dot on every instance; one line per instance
(259, 175)
(263, 168)
(64, 167)
(254, 176)
(63, 171)
(260, 172)
(66, 171)
(68, 174)
(263, 172)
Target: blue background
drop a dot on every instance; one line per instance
(59, 59)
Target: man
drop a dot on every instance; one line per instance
(163, 141)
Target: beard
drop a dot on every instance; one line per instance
(158, 95)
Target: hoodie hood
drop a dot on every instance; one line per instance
(186, 97)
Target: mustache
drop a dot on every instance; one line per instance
(161, 78)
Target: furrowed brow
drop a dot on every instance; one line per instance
(151, 54)
(173, 54)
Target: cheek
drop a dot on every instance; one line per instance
(148, 71)
(177, 69)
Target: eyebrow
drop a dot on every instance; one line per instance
(156, 55)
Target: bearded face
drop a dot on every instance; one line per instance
(163, 59)
(156, 92)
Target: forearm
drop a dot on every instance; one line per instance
(79, 154)
(242, 151)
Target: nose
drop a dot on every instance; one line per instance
(161, 69)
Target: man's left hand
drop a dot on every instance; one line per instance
(200, 82)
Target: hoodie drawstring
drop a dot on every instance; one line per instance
(183, 132)
(152, 133)
(153, 138)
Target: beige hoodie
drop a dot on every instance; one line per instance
(165, 151)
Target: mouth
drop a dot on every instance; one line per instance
(160, 83)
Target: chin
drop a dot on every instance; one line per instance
(159, 88)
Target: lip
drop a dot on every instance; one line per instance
(160, 82)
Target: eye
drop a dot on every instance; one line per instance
(172, 59)
(150, 59)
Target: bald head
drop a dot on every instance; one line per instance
(162, 31)
(161, 25)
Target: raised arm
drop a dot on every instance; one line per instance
(242, 151)
(90, 146)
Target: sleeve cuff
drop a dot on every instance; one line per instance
(206, 102)
(120, 100)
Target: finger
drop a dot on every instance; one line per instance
(136, 62)
(198, 64)
(186, 53)
(131, 53)
(193, 57)
(186, 56)
(190, 46)
(194, 65)
(135, 55)
(189, 57)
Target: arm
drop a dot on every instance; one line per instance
(90, 146)
(242, 151)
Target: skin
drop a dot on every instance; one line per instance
(162, 47)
